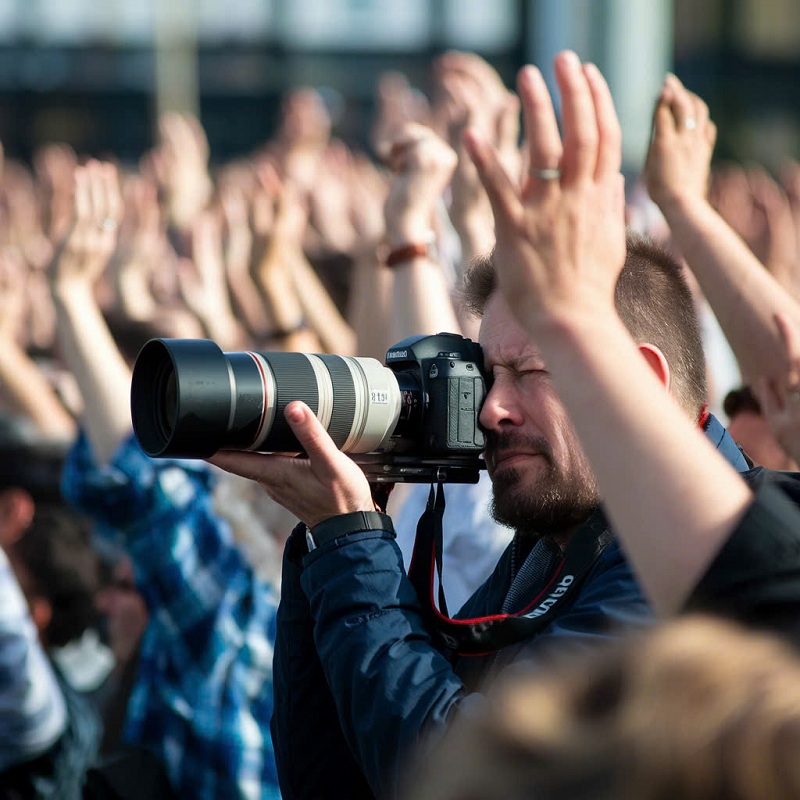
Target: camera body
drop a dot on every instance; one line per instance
(413, 420)
(443, 385)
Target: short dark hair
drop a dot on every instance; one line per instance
(654, 302)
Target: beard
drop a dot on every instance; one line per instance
(555, 502)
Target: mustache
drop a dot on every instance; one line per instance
(512, 440)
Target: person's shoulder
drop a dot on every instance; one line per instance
(787, 482)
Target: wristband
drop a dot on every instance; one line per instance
(408, 252)
(345, 524)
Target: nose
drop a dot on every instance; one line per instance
(501, 407)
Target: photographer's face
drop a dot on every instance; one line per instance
(543, 484)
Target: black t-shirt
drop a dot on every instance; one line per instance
(755, 578)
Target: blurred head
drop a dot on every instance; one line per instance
(752, 432)
(542, 480)
(59, 573)
(697, 709)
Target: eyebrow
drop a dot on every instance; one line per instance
(519, 363)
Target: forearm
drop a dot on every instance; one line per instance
(421, 300)
(29, 392)
(319, 309)
(391, 686)
(369, 306)
(671, 498)
(743, 294)
(99, 369)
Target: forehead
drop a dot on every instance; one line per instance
(503, 340)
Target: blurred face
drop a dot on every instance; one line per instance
(542, 482)
(752, 433)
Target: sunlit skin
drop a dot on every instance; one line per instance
(542, 481)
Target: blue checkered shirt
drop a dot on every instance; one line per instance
(202, 699)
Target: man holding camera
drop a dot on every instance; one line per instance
(362, 668)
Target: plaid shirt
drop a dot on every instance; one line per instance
(32, 711)
(202, 700)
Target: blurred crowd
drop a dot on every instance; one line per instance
(139, 597)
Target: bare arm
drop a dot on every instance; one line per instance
(86, 343)
(560, 247)
(25, 388)
(423, 165)
(744, 296)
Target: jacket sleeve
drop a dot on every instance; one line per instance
(389, 682)
(312, 756)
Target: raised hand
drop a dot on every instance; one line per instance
(423, 165)
(91, 238)
(679, 160)
(323, 484)
(561, 234)
(183, 168)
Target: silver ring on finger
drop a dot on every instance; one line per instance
(690, 123)
(546, 174)
(108, 224)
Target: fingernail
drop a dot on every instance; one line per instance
(293, 413)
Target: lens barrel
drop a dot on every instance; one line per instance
(189, 399)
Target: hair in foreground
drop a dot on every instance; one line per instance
(652, 299)
(697, 709)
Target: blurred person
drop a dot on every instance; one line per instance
(696, 709)
(201, 698)
(698, 536)
(354, 642)
(751, 430)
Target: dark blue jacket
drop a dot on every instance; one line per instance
(358, 681)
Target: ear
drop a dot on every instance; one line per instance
(657, 362)
(16, 514)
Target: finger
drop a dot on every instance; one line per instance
(83, 200)
(579, 122)
(499, 188)
(711, 134)
(609, 155)
(508, 123)
(114, 201)
(257, 467)
(681, 104)
(97, 191)
(313, 438)
(539, 118)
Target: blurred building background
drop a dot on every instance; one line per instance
(95, 72)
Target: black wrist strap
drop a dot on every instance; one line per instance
(345, 524)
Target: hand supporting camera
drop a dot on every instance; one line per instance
(324, 483)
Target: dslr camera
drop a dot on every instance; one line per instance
(413, 420)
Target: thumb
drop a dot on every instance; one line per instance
(313, 438)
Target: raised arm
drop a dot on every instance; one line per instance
(86, 343)
(744, 296)
(560, 248)
(423, 165)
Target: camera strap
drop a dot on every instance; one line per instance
(483, 635)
